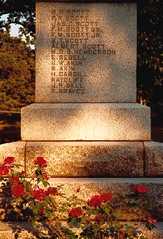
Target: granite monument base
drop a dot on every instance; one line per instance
(72, 164)
(89, 159)
(85, 121)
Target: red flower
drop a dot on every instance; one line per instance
(95, 201)
(39, 194)
(76, 212)
(151, 220)
(17, 190)
(15, 180)
(4, 170)
(140, 188)
(52, 191)
(41, 162)
(105, 197)
(9, 160)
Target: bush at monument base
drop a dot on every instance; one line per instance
(53, 215)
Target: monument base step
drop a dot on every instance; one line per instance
(89, 159)
(85, 121)
(7, 231)
(84, 188)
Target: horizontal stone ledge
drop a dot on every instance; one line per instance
(119, 188)
(84, 189)
(88, 159)
(85, 121)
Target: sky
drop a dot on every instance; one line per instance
(14, 31)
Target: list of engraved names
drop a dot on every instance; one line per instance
(75, 35)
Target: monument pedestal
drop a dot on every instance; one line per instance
(90, 159)
(85, 121)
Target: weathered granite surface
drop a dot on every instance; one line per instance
(98, 61)
(14, 149)
(84, 159)
(119, 187)
(107, 121)
(154, 158)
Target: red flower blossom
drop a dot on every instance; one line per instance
(52, 191)
(9, 160)
(17, 190)
(41, 162)
(151, 220)
(76, 212)
(4, 170)
(140, 188)
(39, 194)
(105, 197)
(95, 201)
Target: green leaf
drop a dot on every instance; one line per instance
(45, 183)
(107, 210)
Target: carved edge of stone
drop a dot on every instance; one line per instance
(153, 159)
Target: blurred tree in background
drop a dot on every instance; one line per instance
(17, 59)
(16, 73)
(150, 82)
(150, 51)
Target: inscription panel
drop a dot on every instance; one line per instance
(89, 51)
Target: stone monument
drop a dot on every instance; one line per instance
(86, 74)
(85, 120)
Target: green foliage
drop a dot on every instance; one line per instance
(16, 73)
